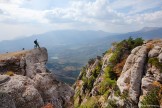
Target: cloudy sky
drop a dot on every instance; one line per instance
(26, 17)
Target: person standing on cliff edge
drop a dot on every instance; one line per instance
(36, 44)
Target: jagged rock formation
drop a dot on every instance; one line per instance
(133, 70)
(128, 76)
(28, 83)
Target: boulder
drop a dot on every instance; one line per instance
(21, 90)
(35, 61)
(57, 93)
(154, 52)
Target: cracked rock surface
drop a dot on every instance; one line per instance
(30, 84)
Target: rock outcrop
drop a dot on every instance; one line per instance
(129, 76)
(132, 72)
(22, 91)
(142, 71)
(29, 84)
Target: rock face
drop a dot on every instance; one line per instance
(132, 73)
(35, 61)
(141, 71)
(6, 101)
(22, 91)
(31, 85)
(129, 76)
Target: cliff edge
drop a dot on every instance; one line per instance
(25, 82)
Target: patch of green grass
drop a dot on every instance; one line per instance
(111, 104)
(109, 81)
(155, 62)
(106, 94)
(106, 84)
(110, 73)
(92, 102)
(90, 83)
(97, 69)
(121, 47)
(77, 93)
(124, 95)
(117, 91)
(151, 99)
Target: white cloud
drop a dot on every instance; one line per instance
(112, 16)
(18, 14)
(18, 2)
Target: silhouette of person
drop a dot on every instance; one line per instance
(36, 44)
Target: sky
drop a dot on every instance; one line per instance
(19, 18)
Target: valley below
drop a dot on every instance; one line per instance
(66, 61)
(70, 50)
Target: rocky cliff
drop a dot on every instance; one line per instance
(25, 82)
(129, 75)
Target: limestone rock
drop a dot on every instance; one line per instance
(4, 79)
(153, 74)
(91, 68)
(53, 91)
(154, 52)
(35, 61)
(32, 85)
(22, 91)
(106, 60)
(6, 101)
(135, 50)
(130, 79)
(160, 57)
(147, 84)
(124, 81)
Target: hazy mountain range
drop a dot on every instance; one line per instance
(69, 50)
(75, 38)
(54, 39)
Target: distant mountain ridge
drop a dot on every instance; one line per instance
(145, 29)
(73, 48)
(146, 33)
(73, 37)
(53, 38)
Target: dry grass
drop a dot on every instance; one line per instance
(12, 54)
(158, 85)
(10, 73)
(149, 46)
(155, 42)
(48, 105)
(118, 68)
